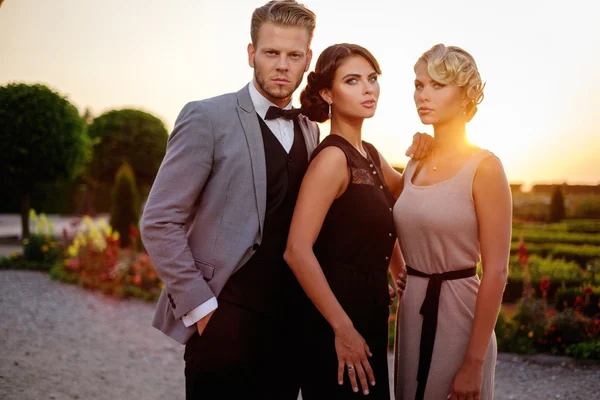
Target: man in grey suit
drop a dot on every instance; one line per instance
(216, 220)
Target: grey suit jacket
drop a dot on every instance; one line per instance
(204, 216)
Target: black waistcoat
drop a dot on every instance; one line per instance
(266, 283)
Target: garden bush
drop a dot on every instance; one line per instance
(125, 211)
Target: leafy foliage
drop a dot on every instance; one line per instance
(125, 212)
(557, 205)
(42, 139)
(130, 136)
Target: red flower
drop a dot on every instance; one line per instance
(545, 284)
(588, 290)
(522, 252)
(133, 231)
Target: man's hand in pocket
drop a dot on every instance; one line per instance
(201, 325)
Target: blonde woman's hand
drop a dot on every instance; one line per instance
(401, 282)
(467, 382)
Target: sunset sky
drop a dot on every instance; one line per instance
(541, 113)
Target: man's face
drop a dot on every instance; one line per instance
(280, 59)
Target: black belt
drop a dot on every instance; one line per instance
(429, 310)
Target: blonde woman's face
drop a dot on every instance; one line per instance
(436, 103)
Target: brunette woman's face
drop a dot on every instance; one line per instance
(355, 89)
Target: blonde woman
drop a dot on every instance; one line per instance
(454, 210)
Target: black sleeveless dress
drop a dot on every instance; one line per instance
(354, 248)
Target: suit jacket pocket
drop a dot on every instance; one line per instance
(207, 269)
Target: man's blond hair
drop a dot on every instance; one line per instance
(283, 13)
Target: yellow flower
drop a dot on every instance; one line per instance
(42, 225)
(25, 242)
(530, 334)
(44, 248)
(73, 251)
(79, 240)
(116, 235)
(32, 215)
(14, 254)
(98, 243)
(52, 244)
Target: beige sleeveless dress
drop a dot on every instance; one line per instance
(438, 232)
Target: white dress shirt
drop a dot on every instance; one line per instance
(281, 128)
(284, 132)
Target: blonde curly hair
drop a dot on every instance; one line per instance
(453, 65)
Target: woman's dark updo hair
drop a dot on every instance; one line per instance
(313, 105)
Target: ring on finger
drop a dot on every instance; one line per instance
(350, 367)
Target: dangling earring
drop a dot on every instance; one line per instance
(465, 111)
(329, 114)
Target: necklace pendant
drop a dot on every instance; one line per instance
(435, 167)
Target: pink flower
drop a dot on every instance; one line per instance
(73, 264)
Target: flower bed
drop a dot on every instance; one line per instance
(95, 261)
(40, 251)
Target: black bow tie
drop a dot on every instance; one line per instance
(276, 112)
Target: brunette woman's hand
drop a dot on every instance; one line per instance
(352, 353)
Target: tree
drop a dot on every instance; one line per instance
(557, 205)
(125, 204)
(127, 135)
(42, 139)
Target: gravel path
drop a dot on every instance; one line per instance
(59, 341)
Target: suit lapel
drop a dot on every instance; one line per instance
(256, 147)
(309, 132)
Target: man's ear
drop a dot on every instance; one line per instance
(251, 53)
(308, 60)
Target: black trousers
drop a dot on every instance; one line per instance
(244, 354)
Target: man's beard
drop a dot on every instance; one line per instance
(276, 91)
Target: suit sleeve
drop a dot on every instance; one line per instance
(180, 180)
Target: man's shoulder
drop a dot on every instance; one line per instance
(212, 103)
(303, 119)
